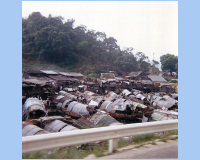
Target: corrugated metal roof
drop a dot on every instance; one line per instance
(55, 126)
(89, 93)
(156, 116)
(107, 76)
(126, 92)
(112, 94)
(156, 78)
(68, 128)
(32, 101)
(58, 77)
(74, 74)
(32, 71)
(93, 103)
(170, 99)
(104, 104)
(102, 119)
(30, 129)
(135, 74)
(34, 81)
(77, 108)
(140, 96)
(48, 72)
(65, 94)
(164, 104)
(146, 82)
(83, 123)
(111, 107)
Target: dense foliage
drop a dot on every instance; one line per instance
(48, 39)
(169, 62)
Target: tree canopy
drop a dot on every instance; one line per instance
(169, 62)
(50, 39)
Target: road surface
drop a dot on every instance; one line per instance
(162, 150)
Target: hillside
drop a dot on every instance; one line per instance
(48, 43)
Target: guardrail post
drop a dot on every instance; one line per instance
(113, 143)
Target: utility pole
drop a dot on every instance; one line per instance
(153, 56)
(153, 60)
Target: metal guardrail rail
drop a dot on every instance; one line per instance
(112, 133)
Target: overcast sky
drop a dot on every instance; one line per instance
(148, 27)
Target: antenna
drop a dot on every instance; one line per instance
(153, 56)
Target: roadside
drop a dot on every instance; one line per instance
(159, 150)
(100, 149)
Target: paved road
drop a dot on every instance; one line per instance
(162, 150)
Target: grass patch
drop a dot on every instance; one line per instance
(144, 138)
(174, 138)
(70, 152)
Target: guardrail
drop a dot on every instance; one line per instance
(112, 133)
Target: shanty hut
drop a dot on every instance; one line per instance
(72, 75)
(58, 126)
(164, 103)
(102, 119)
(32, 73)
(134, 75)
(107, 80)
(158, 81)
(61, 80)
(30, 129)
(144, 85)
(76, 110)
(33, 108)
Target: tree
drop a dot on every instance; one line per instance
(145, 66)
(127, 50)
(128, 63)
(155, 63)
(140, 56)
(169, 62)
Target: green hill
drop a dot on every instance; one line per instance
(48, 43)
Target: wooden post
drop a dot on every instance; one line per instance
(113, 143)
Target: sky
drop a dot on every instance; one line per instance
(147, 26)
